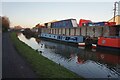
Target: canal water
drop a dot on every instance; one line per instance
(87, 63)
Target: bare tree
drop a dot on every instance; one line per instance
(5, 23)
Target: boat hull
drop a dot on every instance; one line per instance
(113, 42)
(109, 44)
(63, 38)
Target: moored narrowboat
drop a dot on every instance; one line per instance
(71, 39)
(109, 43)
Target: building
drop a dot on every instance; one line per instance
(117, 20)
(117, 17)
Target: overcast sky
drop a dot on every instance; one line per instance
(59, 0)
(28, 14)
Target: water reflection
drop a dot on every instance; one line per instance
(84, 62)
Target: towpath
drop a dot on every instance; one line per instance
(13, 65)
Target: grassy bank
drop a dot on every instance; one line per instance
(41, 65)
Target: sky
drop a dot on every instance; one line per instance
(28, 14)
(57, 0)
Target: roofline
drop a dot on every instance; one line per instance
(61, 20)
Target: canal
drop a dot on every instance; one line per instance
(88, 63)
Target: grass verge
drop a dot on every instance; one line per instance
(44, 67)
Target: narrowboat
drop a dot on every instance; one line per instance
(70, 39)
(109, 43)
(58, 35)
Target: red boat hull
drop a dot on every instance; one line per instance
(113, 42)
